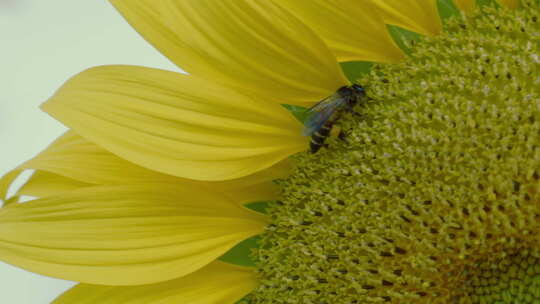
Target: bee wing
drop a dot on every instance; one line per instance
(321, 112)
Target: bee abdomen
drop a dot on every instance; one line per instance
(315, 146)
(318, 138)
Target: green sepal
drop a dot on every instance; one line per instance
(405, 39)
(355, 70)
(240, 254)
(244, 300)
(299, 112)
(447, 9)
(258, 206)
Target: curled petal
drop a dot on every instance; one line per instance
(353, 29)
(123, 235)
(6, 181)
(177, 124)
(421, 16)
(254, 46)
(216, 283)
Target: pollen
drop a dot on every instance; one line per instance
(433, 196)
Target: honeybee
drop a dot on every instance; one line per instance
(322, 116)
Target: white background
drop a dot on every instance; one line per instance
(42, 44)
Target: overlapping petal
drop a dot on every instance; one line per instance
(72, 162)
(6, 181)
(177, 124)
(123, 235)
(217, 283)
(254, 46)
(510, 3)
(76, 158)
(353, 29)
(420, 16)
(43, 183)
(12, 200)
(465, 5)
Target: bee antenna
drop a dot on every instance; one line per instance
(357, 87)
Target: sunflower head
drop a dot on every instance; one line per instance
(433, 196)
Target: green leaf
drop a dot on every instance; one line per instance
(447, 9)
(258, 206)
(403, 38)
(354, 70)
(299, 112)
(240, 254)
(244, 300)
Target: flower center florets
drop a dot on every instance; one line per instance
(434, 195)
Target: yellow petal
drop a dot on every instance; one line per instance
(353, 29)
(6, 181)
(76, 158)
(513, 4)
(177, 124)
(252, 45)
(259, 186)
(12, 200)
(217, 283)
(72, 162)
(123, 235)
(43, 183)
(421, 16)
(465, 5)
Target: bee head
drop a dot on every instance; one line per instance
(358, 90)
(353, 90)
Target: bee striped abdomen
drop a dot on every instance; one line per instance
(318, 138)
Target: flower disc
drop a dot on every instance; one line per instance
(434, 195)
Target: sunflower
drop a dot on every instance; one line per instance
(431, 197)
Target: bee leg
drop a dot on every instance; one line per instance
(355, 113)
(342, 136)
(337, 131)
